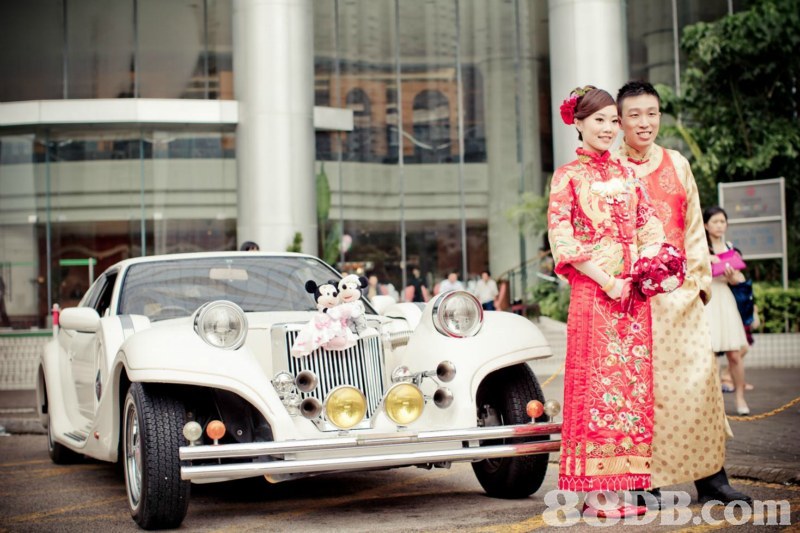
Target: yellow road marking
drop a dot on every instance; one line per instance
(25, 463)
(43, 473)
(81, 519)
(722, 523)
(529, 524)
(34, 517)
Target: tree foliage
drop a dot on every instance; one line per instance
(739, 108)
(329, 232)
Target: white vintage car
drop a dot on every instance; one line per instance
(179, 366)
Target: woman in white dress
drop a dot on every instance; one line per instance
(727, 329)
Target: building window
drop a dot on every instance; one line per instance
(358, 146)
(431, 116)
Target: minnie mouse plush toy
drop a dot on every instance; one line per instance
(326, 295)
(350, 301)
(328, 328)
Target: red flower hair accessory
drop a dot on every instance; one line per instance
(568, 106)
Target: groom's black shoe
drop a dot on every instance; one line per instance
(716, 487)
(652, 501)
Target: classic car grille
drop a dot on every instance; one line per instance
(360, 366)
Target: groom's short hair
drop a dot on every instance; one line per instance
(635, 88)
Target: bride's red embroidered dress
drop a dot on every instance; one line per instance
(598, 212)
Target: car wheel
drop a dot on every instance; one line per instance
(502, 400)
(59, 454)
(152, 433)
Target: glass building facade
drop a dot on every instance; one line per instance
(451, 103)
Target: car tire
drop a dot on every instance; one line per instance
(508, 392)
(152, 433)
(59, 454)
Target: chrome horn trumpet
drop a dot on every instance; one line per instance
(310, 408)
(306, 381)
(443, 397)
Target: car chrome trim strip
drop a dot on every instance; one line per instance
(383, 460)
(255, 449)
(76, 437)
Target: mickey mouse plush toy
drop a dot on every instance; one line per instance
(326, 295)
(328, 328)
(350, 301)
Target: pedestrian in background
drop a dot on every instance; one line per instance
(374, 287)
(417, 288)
(4, 320)
(249, 246)
(450, 283)
(727, 329)
(486, 291)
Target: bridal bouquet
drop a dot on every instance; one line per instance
(660, 274)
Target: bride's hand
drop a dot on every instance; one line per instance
(615, 292)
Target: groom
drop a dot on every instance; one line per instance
(690, 427)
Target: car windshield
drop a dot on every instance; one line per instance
(177, 287)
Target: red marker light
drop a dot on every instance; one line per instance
(534, 408)
(215, 430)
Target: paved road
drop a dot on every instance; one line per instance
(37, 495)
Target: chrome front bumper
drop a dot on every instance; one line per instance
(396, 449)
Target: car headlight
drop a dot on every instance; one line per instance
(222, 324)
(345, 407)
(404, 403)
(457, 314)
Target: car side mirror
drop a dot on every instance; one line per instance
(79, 318)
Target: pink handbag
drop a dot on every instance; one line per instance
(730, 257)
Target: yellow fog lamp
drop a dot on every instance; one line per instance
(345, 407)
(404, 403)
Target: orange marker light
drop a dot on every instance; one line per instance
(215, 429)
(534, 408)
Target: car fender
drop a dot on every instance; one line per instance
(505, 339)
(410, 312)
(115, 330)
(171, 355)
(50, 367)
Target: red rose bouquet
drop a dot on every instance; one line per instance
(660, 274)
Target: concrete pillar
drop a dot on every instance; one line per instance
(274, 82)
(494, 45)
(587, 47)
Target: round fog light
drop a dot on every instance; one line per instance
(552, 408)
(192, 431)
(534, 408)
(404, 403)
(345, 407)
(215, 430)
